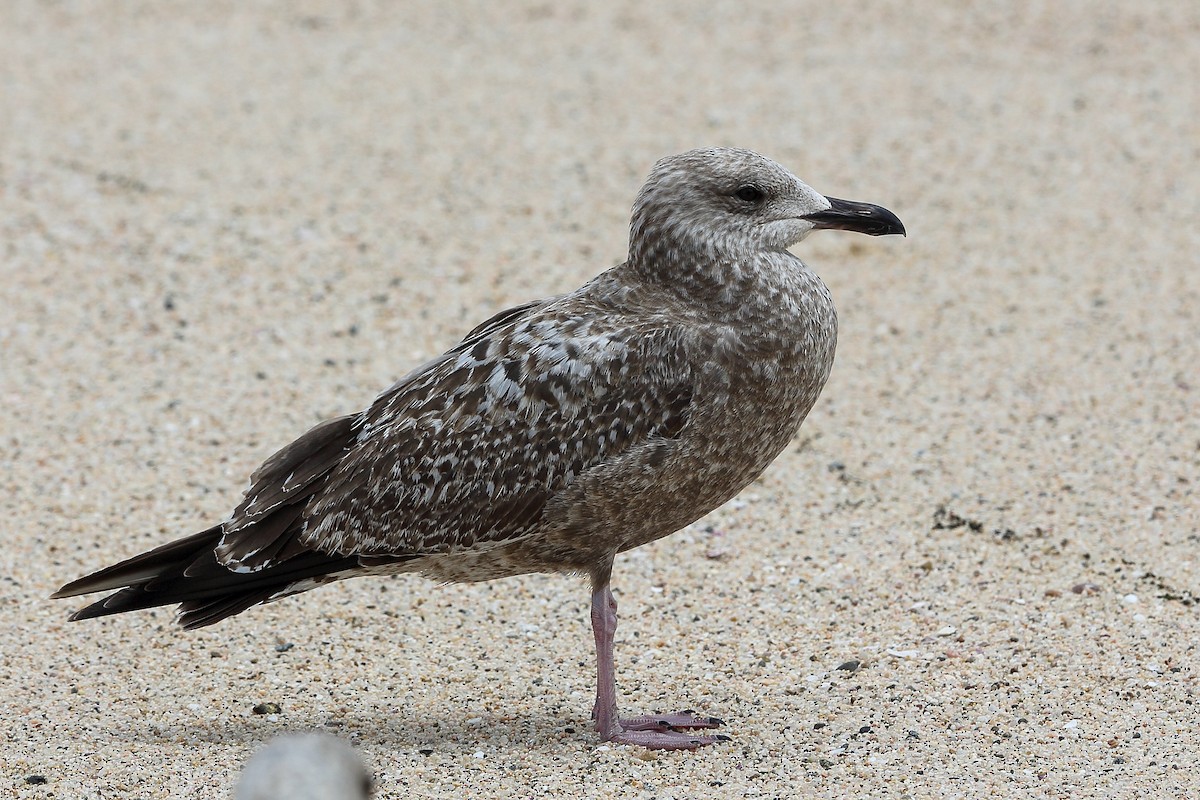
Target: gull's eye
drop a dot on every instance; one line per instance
(750, 193)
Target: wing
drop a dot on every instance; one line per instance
(462, 453)
(265, 528)
(467, 454)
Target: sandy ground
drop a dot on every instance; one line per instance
(220, 223)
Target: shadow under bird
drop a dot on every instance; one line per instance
(558, 433)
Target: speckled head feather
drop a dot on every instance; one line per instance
(556, 434)
(719, 203)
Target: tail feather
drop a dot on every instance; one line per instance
(201, 613)
(255, 556)
(187, 572)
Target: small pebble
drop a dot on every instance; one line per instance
(305, 767)
(903, 653)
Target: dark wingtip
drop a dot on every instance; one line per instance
(142, 568)
(77, 587)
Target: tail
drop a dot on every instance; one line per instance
(187, 572)
(258, 555)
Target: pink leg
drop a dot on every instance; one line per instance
(657, 731)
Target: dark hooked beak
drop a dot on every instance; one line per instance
(846, 215)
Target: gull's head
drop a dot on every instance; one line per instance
(723, 202)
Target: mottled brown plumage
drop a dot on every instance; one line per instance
(557, 434)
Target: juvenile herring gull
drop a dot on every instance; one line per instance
(556, 434)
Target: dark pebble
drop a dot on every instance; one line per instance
(267, 708)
